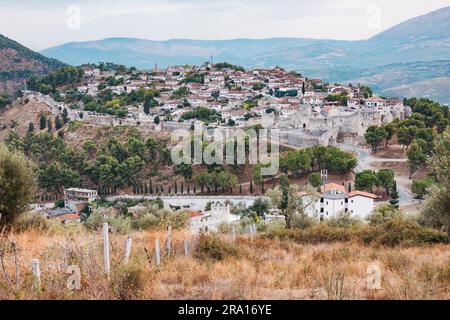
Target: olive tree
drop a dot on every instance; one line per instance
(17, 184)
(436, 212)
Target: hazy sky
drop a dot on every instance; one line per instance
(44, 23)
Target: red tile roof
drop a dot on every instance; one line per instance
(196, 214)
(70, 216)
(362, 194)
(331, 186)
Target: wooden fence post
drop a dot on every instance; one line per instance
(37, 274)
(169, 241)
(127, 249)
(158, 257)
(106, 262)
(186, 248)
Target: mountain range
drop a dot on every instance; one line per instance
(17, 63)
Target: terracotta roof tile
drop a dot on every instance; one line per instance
(362, 194)
(331, 186)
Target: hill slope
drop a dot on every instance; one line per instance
(18, 63)
(421, 39)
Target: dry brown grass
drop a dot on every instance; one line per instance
(263, 269)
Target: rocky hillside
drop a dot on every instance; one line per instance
(20, 114)
(17, 63)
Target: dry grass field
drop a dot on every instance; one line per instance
(218, 267)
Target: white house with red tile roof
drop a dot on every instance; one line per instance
(334, 199)
(210, 220)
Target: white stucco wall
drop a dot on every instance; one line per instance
(360, 206)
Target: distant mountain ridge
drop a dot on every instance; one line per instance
(17, 63)
(424, 39)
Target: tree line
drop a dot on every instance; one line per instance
(416, 133)
(316, 158)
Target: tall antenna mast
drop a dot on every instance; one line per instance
(324, 177)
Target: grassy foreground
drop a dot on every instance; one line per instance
(218, 267)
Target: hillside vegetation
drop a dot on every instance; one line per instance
(17, 63)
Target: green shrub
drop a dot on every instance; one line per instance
(315, 234)
(128, 282)
(390, 233)
(383, 213)
(402, 232)
(303, 221)
(211, 247)
(343, 220)
(152, 218)
(31, 221)
(94, 221)
(160, 218)
(120, 224)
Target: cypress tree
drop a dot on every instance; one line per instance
(30, 127)
(42, 121)
(58, 123)
(65, 116)
(394, 196)
(49, 125)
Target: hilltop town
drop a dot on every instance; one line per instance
(307, 111)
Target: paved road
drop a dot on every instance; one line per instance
(364, 163)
